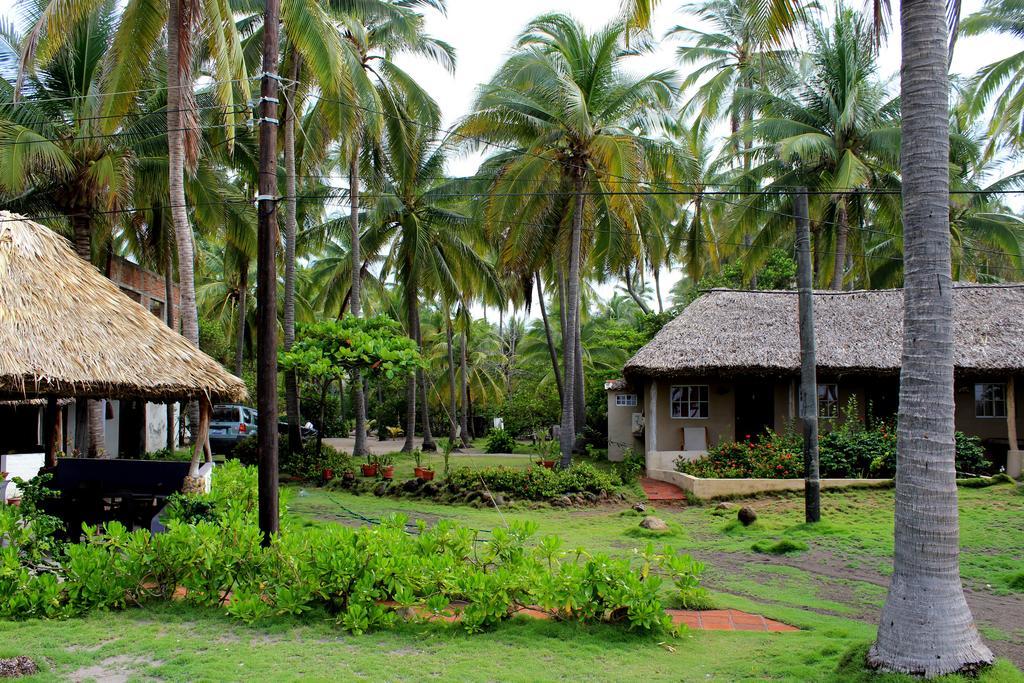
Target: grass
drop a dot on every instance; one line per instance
(176, 642)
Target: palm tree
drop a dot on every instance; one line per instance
(568, 109)
(834, 130)
(373, 38)
(429, 242)
(926, 627)
(1000, 84)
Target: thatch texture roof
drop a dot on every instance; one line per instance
(67, 330)
(731, 332)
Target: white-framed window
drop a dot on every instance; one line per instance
(625, 400)
(828, 400)
(990, 399)
(689, 401)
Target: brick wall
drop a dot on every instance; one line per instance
(143, 286)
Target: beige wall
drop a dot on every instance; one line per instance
(620, 426)
(664, 433)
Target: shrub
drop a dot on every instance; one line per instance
(771, 455)
(363, 578)
(533, 483)
(307, 464)
(500, 441)
(631, 466)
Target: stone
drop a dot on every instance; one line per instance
(592, 497)
(640, 507)
(429, 489)
(653, 523)
(561, 502)
(723, 506)
(381, 489)
(746, 515)
(15, 667)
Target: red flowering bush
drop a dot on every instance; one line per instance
(770, 456)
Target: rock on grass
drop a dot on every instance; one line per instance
(16, 667)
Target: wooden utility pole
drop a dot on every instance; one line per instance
(808, 358)
(266, 280)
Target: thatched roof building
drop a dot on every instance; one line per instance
(740, 332)
(66, 330)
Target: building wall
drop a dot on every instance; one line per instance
(620, 425)
(664, 433)
(144, 286)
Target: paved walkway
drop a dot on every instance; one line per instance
(378, 447)
(726, 620)
(661, 491)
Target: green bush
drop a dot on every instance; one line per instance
(308, 465)
(534, 483)
(631, 466)
(772, 455)
(363, 578)
(500, 441)
(783, 547)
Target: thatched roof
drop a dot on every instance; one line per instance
(67, 330)
(727, 331)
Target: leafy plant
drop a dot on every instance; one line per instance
(534, 483)
(631, 466)
(447, 447)
(500, 441)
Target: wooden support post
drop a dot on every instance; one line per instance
(1013, 454)
(52, 430)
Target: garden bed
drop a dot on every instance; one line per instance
(708, 489)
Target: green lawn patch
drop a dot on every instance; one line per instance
(780, 547)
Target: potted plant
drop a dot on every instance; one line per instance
(385, 465)
(369, 468)
(348, 475)
(546, 450)
(422, 473)
(328, 474)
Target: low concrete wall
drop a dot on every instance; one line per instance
(666, 460)
(21, 465)
(706, 489)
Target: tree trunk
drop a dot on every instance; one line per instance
(266, 284)
(291, 386)
(926, 627)
(179, 30)
(243, 304)
(428, 436)
(547, 333)
(464, 389)
(453, 429)
(567, 435)
(579, 409)
(657, 290)
(410, 388)
(633, 295)
(808, 360)
(169, 310)
(843, 228)
(355, 292)
(94, 413)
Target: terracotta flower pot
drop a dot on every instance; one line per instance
(424, 473)
(388, 472)
(550, 464)
(348, 475)
(328, 474)
(369, 470)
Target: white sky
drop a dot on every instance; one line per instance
(482, 32)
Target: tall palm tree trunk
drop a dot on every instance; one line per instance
(453, 429)
(93, 413)
(579, 406)
(412, 383)
(243, 305)
(657, 289)
(567, 433)
(926, 627)
(355, 293)
(169, 311)
(428, 436)
(547, 334)
(178, 78)
(464, 389)
(291, 386)
(842, 230)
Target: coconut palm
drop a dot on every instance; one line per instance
(428, 241)
(1000, 84)
(568, 110)
(926, 627)
(833, 129)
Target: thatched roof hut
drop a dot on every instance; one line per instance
(65, 330)
(741, 332)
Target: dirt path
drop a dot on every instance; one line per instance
(833, 579)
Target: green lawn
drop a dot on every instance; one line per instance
(832, 591)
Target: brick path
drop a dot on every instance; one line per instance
(726, 620)
(661, 491)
